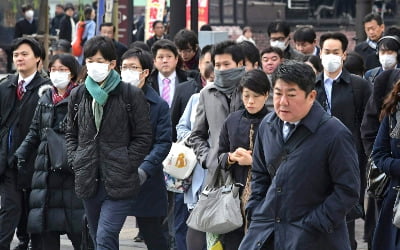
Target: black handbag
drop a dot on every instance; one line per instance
(377, 181)
(57, 148)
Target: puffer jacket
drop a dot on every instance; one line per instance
(114, 153)
(53, 204)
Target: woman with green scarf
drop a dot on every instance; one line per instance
(108, 136)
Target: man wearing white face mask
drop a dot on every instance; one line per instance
(344, 96)
(278, 33)
(27, 25)
(387, 49)
(150, 207)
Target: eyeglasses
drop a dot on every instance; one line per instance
(186, 51)
(52, 69)
(134, 68)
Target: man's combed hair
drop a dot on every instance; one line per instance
(335, 36)
(299, 73)
(35, 45)
(227, 47)
(100, 43)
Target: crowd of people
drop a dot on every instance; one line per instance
(294, 124)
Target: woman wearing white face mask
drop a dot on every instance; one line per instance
(388, 48)
(54, 206)
(151, 204)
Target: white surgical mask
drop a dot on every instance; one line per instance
(59, 79)
(388, 61)
(97, 71)
(29, 14)
(279, 44)
(331, 62)
(131, 76)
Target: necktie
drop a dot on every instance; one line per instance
(166, 90)
(20, 89)
(289, 128)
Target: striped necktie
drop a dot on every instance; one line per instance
(20, 89)
(166, 90)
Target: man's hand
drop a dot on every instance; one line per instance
(241, 156)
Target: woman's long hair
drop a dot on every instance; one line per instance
(390, 103)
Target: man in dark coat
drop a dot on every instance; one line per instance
(27, 25)
(159, 30)
(299, 200)
(344, 96)
(67, 24)
(56, 20)
(374, 28)
(18, 99)
(150, 207)
(278, 33)
(108, 30)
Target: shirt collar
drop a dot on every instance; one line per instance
(171, 77)
(27, 79)
(327, 77)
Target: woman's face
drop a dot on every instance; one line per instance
(253, 102)
(58, 66)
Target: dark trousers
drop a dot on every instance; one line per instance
(181, 214)
(51, 241)
(195, 240)
(22, 232)
(10, 207)
(151, 230)
(106, 218)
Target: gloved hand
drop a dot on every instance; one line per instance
(142, 176)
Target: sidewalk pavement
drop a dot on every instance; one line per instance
(129, 231)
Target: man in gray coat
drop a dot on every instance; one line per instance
(216, 102)
(305, 175)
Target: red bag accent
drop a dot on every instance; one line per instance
(77, 43)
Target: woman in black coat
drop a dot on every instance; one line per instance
(54, 207)
(237, 139)
(386, 156)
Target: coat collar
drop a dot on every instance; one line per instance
(151, 94)
(36, 82)
(345, 77)
(311, 121)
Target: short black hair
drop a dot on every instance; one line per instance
(107, 25)
(87, 12)
(315, 61)
(36, 47)
(227, 47)
(256, 80)
(156, 22)
(139, 44)
(144, 57)
(393, 30)
(206, 49)
(63, 45)
(279, 26)
(26, 7)
(69, 6)
(390, 43)
(251, 52)
(305, 34)
(373, 16)
(335, 36)
(101, 44)
(354, 63)
(164, 44)
(184, 38)
(294, 72)
(275, 50)
(59, 5)
(206, 27)
(68, 61)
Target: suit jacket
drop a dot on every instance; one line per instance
(181, 77)
(371, 59)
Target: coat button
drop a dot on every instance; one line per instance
(278, 189)
(278, 220)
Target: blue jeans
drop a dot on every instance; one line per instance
(181, 214)
(106, 218)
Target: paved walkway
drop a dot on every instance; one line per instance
(129, 231)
